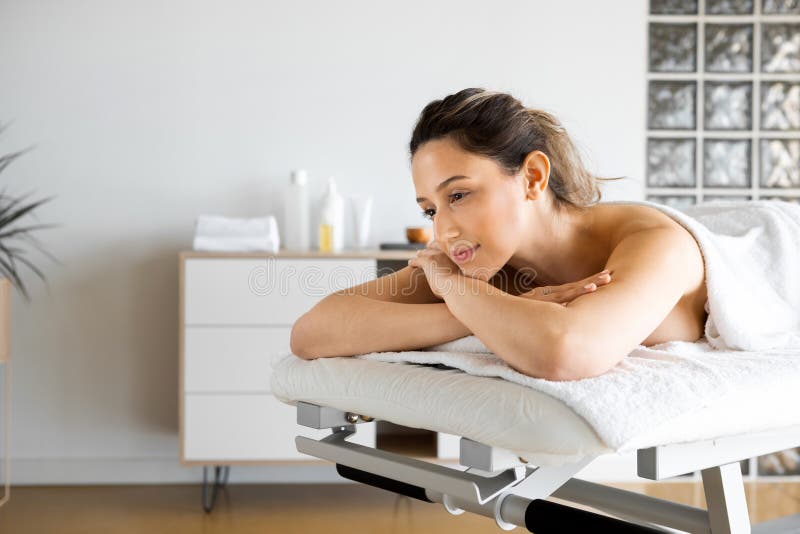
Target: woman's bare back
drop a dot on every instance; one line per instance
(686, 321)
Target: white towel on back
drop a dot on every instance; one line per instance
(752, 256)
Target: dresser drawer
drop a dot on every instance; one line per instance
(222, 427)
(232, 358)
(265, 291)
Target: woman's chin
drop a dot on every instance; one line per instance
(477, 272)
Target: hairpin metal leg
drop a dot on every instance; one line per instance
(221, 473)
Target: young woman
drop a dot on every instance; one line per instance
(517, 220)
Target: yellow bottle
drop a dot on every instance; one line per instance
(331, 221)
(326, 238)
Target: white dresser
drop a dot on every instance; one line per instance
(236, 313)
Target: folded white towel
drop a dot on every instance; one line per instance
(214, 232)
(219, 226)
(236, 244)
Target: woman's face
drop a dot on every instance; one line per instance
(481, 215)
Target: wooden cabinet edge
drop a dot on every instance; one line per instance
(369, 254)
(181, 341)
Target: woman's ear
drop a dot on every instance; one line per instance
(535, 173)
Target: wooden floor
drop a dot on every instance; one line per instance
(286, 509)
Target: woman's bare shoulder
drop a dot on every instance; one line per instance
(633, 219)
(623, 220)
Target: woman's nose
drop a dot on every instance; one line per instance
(444, 229)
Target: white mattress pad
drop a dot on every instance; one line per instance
(538, 427)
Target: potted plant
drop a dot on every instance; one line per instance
(13, 233)
(13, 210)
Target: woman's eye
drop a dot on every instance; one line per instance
(429, 213)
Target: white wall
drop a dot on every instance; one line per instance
(145, 114)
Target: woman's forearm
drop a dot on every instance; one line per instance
(525, 333)
(346, 325)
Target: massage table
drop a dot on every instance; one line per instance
(683, 407)
(520, 446)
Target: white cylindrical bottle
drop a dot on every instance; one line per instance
(331, 226)
(296, 223)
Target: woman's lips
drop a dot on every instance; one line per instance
(464, 255)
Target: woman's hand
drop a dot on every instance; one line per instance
(441, 272)
(566, 293)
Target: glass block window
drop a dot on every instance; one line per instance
(672, 47)
(673, 7)
(726, 163)
(729, 7)
(728, 105)
(723, 115)
(723, 97)
(670, 163)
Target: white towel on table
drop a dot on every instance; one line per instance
(235, 244)
(220, 226)
(215, 232)
(651, 386)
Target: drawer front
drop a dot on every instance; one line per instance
(232, 358)
(222, 427)
(271, 291)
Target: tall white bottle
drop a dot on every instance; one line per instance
(331, 225)
(296, 211)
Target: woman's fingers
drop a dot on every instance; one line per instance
(566, 293)
(601, 278)
(593, 282)
(428, 252)
(569, 292)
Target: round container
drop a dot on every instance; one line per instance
(418, 234)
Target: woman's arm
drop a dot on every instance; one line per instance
(394, 312)
(527, 334)
(344, 325)
(397, 312)
(591, 335)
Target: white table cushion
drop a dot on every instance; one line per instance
(497, 412)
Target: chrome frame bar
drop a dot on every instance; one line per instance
(498, 484)
(461, 484)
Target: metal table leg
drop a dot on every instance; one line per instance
(221, 473)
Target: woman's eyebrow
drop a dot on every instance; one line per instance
(443, 184)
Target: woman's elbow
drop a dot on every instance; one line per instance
(547, 361)
(568, 371)
(571, 362)
(299, 342)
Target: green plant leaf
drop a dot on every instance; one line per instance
(12, 210)
(8, 159)
(11, 273)
(8, 218)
